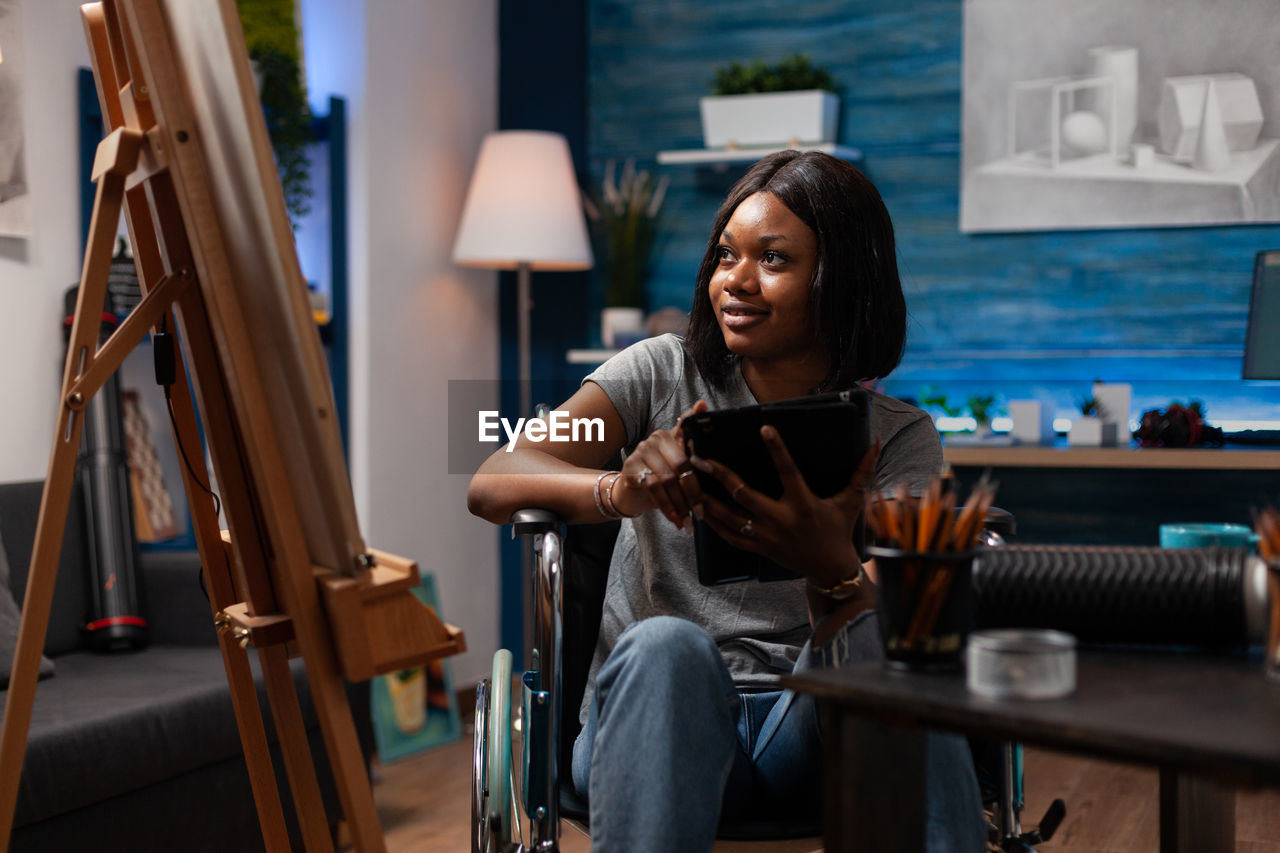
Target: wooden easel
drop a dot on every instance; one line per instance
(350, 619)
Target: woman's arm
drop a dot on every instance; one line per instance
(562, 476)
(559, 476)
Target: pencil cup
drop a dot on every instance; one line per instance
(1271, 666)
(925, 603)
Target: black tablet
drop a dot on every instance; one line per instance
(827, 436)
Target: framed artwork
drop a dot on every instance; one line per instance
(1097, 114)
(15, 207)
(415, 709)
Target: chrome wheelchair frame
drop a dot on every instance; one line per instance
(499, 795)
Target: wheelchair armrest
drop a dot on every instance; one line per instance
(533, 520)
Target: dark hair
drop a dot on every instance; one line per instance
(856, 296)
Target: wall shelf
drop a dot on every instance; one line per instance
(1111, 458)
(590, 356)
(731, 156)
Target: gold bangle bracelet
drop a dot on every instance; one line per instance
(845, 589)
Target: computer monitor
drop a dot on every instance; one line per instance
(1262, 340)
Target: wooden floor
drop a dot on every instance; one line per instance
(424, 805)
(1112, 808)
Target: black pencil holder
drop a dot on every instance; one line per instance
(925, 604)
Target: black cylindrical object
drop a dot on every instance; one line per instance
(116, 618)
(1212, 597)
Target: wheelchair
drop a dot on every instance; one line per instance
(518, 808)
(498, 794)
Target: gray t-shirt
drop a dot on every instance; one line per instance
(758, 627)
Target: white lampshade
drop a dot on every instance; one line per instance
(523, 206)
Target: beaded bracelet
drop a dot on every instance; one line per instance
(606, 509)
(608, 497)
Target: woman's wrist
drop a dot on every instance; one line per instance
(604, 500)
(841, 590)
(830, 623)
(836, 578)
(606, 492)
(832, 608)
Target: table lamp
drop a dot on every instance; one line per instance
(523, 212)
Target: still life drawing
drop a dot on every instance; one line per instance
(1099, 114)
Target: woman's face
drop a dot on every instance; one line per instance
(760, 287)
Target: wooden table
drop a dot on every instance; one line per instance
(1208, 725)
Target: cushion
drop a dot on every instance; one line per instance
(115, 723)
(72, 596)
(10, 617)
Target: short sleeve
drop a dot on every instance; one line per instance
(640, 380)
(911, 455)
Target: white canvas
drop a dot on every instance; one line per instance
(1088, 114)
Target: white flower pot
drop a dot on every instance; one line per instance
(770, 118)
(1032, 422)
(1115, 398)
(621, 324)
(1092, 432)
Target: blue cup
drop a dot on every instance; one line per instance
(1207, 535)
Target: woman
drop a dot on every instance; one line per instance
(684, 724)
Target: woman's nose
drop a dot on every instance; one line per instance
(741, 280)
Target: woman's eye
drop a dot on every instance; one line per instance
(725, 253)
(772, 257)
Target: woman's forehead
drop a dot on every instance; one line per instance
(764, 214)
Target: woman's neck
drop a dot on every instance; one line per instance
(782, 380)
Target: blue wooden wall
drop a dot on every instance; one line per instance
(1020, 315)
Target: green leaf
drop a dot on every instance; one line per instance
(271, 34)
(794, 73)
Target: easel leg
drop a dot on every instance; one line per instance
(244, 697)
(59, 480)
(302, 599)
(347, 761)
(297, 752)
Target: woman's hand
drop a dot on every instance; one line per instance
(659, 474)
(810, 535)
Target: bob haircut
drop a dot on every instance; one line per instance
(855, 299)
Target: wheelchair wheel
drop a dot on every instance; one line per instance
(495, 819)
(479, 763)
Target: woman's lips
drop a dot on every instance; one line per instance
(739, 317)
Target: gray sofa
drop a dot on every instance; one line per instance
(139, 751)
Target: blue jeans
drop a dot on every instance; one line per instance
(671, 748)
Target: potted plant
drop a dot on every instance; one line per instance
(982, 408)
(1092, 429)
(624, 219)
(790, 103)
(271, 34)
(936, 403)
